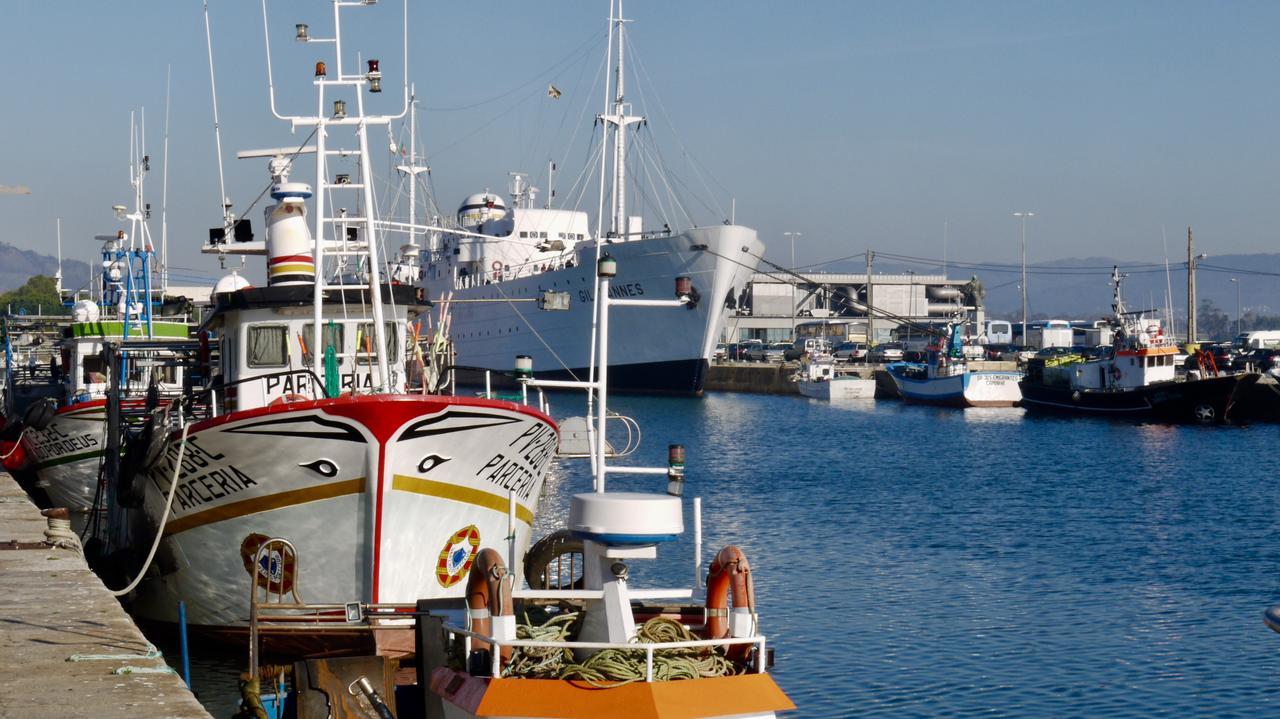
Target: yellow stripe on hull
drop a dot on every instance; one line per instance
(444, 490)
(263, 504)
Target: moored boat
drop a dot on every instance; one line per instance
(945, 378)
(1136, 379)
(826, 380)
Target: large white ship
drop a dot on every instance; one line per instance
(503, 258)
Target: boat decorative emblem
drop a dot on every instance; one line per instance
(275, 571)
(457, 556)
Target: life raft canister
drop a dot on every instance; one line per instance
(730, 575)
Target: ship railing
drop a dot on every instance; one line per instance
(759, 641)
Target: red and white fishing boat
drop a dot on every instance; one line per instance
(307, 432)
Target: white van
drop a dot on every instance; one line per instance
(1256, 340)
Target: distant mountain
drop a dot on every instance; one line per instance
(17, 266)
(1080, 288)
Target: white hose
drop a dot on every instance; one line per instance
(164, 518)
(16, 443)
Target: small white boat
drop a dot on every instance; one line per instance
(945, 378)
(827, 381)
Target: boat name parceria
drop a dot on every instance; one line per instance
(518, 468)
(199, 482)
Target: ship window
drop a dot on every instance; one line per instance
(524, 233)
(364, 343)
(332, 337)
(268, 345)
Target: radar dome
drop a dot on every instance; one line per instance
(84, 311)
(480, 208)
(230, 283)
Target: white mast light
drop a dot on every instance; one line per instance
(303, 34)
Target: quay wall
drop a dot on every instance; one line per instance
(67, 647)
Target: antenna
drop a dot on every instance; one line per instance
(223, 201)
(57, 276)
(164, 190)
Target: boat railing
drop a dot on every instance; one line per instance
(759, 641)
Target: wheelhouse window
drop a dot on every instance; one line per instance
(365, 339)
(332, 336)
(268, 346)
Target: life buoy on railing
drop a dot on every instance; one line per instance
(287, 398)
(1115, 372)
(729, 575)
(497, 269)
(489, 586)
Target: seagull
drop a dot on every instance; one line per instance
(553, 92)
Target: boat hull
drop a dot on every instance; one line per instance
(385, 499)
(1210, 400)
(66, 455)
(840, 388)
(967, 389)
(657, 351)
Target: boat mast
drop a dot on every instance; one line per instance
(620, 120)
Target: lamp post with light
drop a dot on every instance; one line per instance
(1236, 282)
(792, 236)
(1022, 217)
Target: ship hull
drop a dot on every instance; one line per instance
(384, 498)
(838, 389)
(663, 351)
(1210, 400)
(66, 456)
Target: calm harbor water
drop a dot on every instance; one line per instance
(912, 561)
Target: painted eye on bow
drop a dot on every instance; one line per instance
(322, 467)
(431, 461)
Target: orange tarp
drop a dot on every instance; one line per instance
(687, 699)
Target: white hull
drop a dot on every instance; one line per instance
(663, 351)
(839, 388)
(371, 492)
(67, 453)
(964, 389)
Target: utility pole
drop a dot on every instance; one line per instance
(871, 317)
(1191, 291)
(1236, 282)
(792, 236)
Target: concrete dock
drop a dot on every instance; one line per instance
(67, 648)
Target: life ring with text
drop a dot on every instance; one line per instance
(458, 554)
(1115, 373)
(729, 575)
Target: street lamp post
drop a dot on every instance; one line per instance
(792, 236)
(1022, 218)
(1236, 282)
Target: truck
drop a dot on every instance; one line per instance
(1256, 340)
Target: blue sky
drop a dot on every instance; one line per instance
(857, 124)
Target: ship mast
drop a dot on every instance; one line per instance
(619, 120)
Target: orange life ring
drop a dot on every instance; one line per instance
(730, 575)
(287, 398)
(489, 588)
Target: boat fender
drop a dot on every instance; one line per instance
(730, 576)
(546, 550)
(490, 610)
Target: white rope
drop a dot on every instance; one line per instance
(164, 518)
(16, 443)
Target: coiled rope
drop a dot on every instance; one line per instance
(615, 667)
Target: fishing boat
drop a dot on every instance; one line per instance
(945, 378)
(827, 380)
(306, 433)
(57, 397)
(499, 256)
(1135, 379)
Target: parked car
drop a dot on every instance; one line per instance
(748, 350)
(886, 352)
(813, 346)
(994, 351)
(851, 352)
(1258, 360)
(1018, 354)
(720, 353)
(776, 352)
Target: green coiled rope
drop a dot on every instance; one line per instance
(615, 667)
